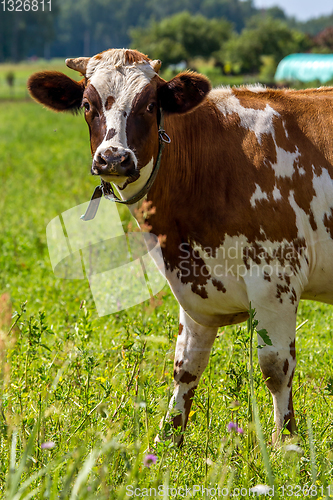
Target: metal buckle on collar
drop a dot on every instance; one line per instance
(163, 136)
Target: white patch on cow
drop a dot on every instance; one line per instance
(112, 76)
(258, 195)
(259, 121)
(301, 171)
(285, 162)
(276, 193)
(134, 187)
(323, 199)
(285, 129)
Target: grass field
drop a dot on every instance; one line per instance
(95, 389)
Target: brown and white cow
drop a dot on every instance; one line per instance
(244, 196)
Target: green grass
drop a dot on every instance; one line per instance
(21, 73)
(98, 387)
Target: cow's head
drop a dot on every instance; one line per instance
(121, 94)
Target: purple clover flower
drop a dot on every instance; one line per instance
(149, 460)
(48, 445)
(232, 426)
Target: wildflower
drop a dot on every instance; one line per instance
(261, 489)
(232, 426)
(48, 445)
(149, 460)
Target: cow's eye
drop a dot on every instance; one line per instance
(86, 106)
(150, 107)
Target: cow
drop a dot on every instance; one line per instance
(244, 195)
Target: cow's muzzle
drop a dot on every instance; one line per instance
(114, 163)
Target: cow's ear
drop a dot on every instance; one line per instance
(183, 93)
(56, 90)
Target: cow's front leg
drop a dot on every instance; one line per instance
(278, 361)
(193, 347)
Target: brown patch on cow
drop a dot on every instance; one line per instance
(187, 378)
(280, 289)
(312, 221)
(109, 102)
(291, 378)
(179, 363)
(289, 418)
(292, 349)
(111, 133)
(293, 296)
(141, 126)
(177, 421)
(249, 99)
(219, 285)
(286, 366)
(274, 376)
(199, 290)
(328, 223)
(188, 398)
(180, 329)
(267, 276)
(193, 269)
(134, 56)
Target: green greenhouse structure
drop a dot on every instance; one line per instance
(305, 68)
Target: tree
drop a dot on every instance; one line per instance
(324, 40)
(263, 36)
(26, 33)
(181, 37)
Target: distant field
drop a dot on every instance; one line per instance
(97, 388)
(23, 70)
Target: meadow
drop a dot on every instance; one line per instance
(81, 397)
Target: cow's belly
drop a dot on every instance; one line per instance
(320, 284)
(222, 298)
(214, 307)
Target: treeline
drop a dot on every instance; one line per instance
(233, 32)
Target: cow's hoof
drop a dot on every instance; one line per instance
(279, 439)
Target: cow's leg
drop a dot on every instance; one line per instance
(193, 347)
(278, 361)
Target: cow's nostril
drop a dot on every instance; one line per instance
(102, 160)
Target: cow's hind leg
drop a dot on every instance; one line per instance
(278, 361)
(193, 347)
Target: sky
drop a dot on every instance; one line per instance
(301, 9)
